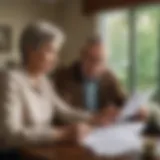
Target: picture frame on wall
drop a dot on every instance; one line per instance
(5, 38)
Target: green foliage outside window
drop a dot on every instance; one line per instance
(146, 42)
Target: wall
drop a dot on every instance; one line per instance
(77, 27)
(66, 13)
(17, 14)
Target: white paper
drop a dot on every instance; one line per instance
(116, 140)
(134, 104)
(121, 138)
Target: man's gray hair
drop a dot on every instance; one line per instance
(36, 34)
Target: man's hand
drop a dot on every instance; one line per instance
(107, 115)
(143, 114)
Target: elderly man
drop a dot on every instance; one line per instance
(89, 85)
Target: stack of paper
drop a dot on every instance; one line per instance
(116, 140)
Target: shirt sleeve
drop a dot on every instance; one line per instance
(66, 112)
(13, 130)
(116, 90)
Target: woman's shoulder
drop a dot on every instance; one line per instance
(10, 76)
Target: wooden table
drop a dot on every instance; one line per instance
(63, 152)
(68, 151)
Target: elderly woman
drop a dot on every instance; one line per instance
(28, 104)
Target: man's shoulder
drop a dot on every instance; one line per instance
(109, 74)
(62, 73)
(65, 72)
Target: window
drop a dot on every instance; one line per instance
(132, 38)
(147, 47)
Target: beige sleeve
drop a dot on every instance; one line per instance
(67, 113)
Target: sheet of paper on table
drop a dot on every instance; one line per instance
(123, 137)
(116, 140)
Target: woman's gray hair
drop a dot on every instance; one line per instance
(36, 34)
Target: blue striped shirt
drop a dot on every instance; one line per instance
(91, 94)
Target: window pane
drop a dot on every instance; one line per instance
(117, 42)
(116, 30)
(147, 32)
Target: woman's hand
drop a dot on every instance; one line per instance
(77, 132)
(82, 131)
(73, 133)
(62, 133)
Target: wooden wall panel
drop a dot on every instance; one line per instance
(91, 6)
